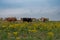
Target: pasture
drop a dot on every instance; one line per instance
(29, 31)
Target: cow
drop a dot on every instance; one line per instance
(26, 19)
(10, 19)
(44, 19)
(34, 19)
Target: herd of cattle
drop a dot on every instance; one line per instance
(10, 19)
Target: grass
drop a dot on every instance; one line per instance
(29, 31)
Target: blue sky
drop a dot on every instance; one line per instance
(30, 8)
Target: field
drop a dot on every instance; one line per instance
(29, 31)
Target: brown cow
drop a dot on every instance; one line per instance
(10, 19)
(44, 19)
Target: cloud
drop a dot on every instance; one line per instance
(31, 12)
(30, 8)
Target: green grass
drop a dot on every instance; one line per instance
(30, 31)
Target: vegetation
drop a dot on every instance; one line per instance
(29, 31)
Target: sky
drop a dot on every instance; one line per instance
(30, 8)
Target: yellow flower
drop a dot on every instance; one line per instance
(3, 26)
(17, 38)
(9, 34)
(32, 30)
(51, 34)
(17, 25)
(12, 26)
(15, 33)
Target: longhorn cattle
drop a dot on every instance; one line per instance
(10, 19)
(26, 19)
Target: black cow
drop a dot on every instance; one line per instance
(26, 19)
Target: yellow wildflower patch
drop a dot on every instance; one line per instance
(33, 31)
(51, 34)
(15, 33)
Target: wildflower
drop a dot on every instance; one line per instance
(51, 34)
(32, 30)
(15, 33)
(12, 26)
(3, 26)
(17, 25)
(9, 34)
(17, 38)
